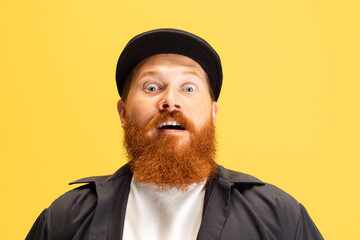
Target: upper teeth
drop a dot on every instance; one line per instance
(170, 123)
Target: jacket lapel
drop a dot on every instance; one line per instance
(217, 201)
(121, 187)
(112, 192)
(100, 223)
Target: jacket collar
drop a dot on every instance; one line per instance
(224, 173)
(113, 191)
(105, 178)
(237, 177)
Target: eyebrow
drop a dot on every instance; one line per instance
(153, 72)
(193, 73)
(149, 72)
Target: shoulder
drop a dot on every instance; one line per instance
(84, 196)
(270, 205)
(274, 212)
(256, 190)
(74, 209)
(72, 212)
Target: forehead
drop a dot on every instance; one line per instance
(156, 62)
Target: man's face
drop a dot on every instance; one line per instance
(168, 82)
(172, 89)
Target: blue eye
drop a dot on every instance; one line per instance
(189, 88)
(151, 87)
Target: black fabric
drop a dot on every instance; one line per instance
(167, 40)
(237, 207)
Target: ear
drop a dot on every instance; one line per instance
(215, 109)
(121, 110)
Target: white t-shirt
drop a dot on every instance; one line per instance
(155, 215)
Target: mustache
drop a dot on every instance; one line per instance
(177, 116)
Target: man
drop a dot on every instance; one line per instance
(169, 81)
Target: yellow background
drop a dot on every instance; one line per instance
(289, 107)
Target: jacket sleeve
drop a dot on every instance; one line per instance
(306, 228)
(39, 230)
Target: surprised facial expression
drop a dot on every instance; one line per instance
(168, 82)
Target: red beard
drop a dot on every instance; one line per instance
(160, 162)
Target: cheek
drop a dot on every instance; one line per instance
(200, 114)
(141, 112)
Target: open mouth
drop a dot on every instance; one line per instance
(171, 125)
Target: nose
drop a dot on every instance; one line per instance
(169, 101)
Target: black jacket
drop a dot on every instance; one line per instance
(237, 206)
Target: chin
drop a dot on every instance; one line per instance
(179, 145)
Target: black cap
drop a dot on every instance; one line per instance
(168, 40)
